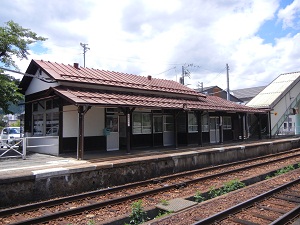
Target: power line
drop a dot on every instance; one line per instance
(44, 79)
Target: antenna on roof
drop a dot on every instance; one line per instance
(85, 49)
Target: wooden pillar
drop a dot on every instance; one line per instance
(187, 127)
(175, 129)
(221, 130)
(128, 133)
(259, 127)
(200, 139)
(80, 138)
(242, 126)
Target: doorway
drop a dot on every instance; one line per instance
(168, 130)
(214, 130)
(112, 132)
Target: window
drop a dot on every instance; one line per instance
(141, 123)
(227, 123)
(192, 123)
(38, 124)
(52, 121)
(157, 124)
(45, 119)
(204, 122)
(168, 123)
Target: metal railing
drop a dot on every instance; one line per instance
(44, 144)
(277, 126)
(13, 147)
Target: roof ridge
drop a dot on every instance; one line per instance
(92, 75)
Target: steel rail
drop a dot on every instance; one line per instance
(54, 202)
(122, 199)
(234, 209)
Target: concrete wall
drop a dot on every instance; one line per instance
(62, 181)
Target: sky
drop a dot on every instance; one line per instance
(259, 40)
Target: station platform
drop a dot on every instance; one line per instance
(36, 163)
(40, 176)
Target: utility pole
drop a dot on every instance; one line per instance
(185, 73)
(200, 87)
(228, 90)
(85, 49)
(182, 76)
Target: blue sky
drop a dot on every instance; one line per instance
(258, 39)
(273, 29)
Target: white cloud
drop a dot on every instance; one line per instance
(290, 15)
(151, 36)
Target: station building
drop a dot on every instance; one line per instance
(97, 110)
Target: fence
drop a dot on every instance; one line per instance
(46, 144)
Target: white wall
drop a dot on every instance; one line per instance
(284, 103)
(93, 122)
(37, 85)
(70, 121)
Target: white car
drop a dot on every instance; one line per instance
(10, 135)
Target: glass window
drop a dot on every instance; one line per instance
(192, 123)
(137, 123)
(52, 121)
(146, 123)
(169, 123)
(38, 125)
(141, 123)
(227, 123)
(45, 119)
(204, 122)
(157, 124)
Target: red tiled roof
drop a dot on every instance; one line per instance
(61, 72)
(104, 98)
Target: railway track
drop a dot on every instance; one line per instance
(279, 206)
(63, 207)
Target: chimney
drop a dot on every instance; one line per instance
(76, 65)
(149, 77)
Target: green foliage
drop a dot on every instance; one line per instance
(282, 171)
(214, 192)
(138, 215)
(164, 202)
(91, 222)
(162, 213)
(226, 188)
(232, 186)
(198, 197)
(14, 41)
(9, 93)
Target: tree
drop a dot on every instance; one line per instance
(14, 41)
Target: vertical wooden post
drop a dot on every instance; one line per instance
(200, 140)
(259, 127)
(175, 114)
(80, 138)
(128, 116)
